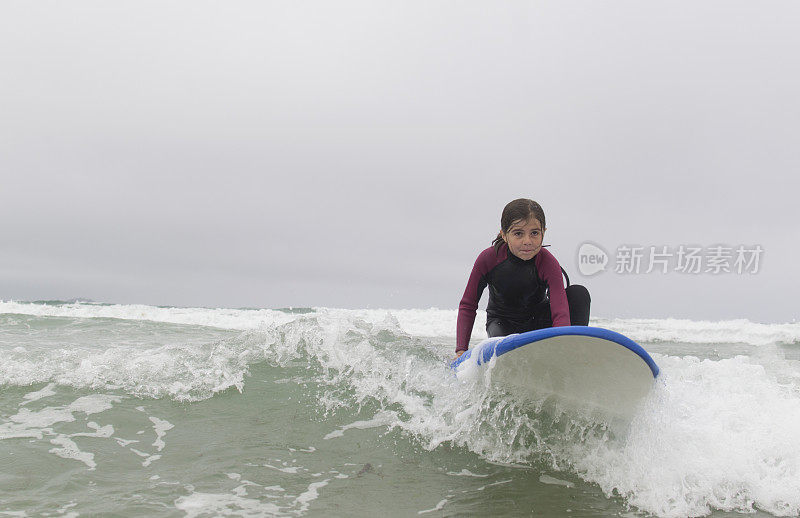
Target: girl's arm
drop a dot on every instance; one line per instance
(551, 273)
(472, 294)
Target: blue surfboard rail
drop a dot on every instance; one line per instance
(511, 342)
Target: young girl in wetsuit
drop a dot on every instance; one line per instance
(526, 291)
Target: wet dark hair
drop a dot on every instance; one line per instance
(518, 210)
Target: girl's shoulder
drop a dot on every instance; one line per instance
(546, 258)
(495, 252)
(490, 257)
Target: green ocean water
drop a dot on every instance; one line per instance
(316, 413)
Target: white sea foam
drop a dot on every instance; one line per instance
(42, 418)
(205, 504)
(161, 428)
(264, 501)
(547, 479)
(438, 507)
(62, 512)
(498, 483)
(39, 394)
(466, 473)
(714, 435)
(241, 490)
(103, 432)
(703, 332)
(292, 470)
(309, 495)
(36, 424)
(184, 372)
(149, 460)
(93, 403)
(70, 450)
(379, 420)
(240, 319)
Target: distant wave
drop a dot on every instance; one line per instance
(415, 322)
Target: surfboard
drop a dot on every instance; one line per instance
(582, 366)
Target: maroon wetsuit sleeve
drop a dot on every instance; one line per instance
(550, 272)
(468, 307)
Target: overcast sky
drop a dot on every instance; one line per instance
(359, 154)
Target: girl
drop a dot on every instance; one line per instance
(525, 287)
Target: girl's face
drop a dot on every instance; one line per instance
(524, 238)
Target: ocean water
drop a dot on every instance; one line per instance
(157, 411)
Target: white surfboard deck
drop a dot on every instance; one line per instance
(585, 367)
